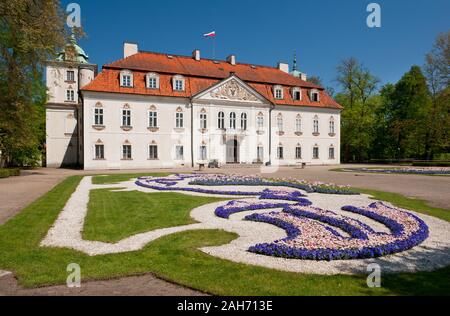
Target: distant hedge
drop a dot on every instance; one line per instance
(5, 173)
(431, 163)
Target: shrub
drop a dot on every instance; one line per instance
(431, 163)
(5, 173)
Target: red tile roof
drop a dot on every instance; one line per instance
(200, 75)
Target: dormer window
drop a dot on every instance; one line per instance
(152, 81)
(314, 95)
(278, 92)
(296, 94)
(178, 83)
(126, 78)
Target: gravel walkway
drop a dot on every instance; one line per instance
(433, 253)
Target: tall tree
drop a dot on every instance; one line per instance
(437, 73)
(31, 32)
(359, 101)
(410, 104)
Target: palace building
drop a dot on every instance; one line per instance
(155, 110)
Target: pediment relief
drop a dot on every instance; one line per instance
(232, 90)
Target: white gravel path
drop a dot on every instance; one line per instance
(433, 253)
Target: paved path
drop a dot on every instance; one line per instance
(18, 192)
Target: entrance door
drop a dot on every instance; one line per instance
(232, 151)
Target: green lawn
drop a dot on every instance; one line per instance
(357, 170)
(113, 216)
(177, 258)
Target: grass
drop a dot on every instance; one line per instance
(413, 204)
(113, 216)
(120, 177)
(176, 258)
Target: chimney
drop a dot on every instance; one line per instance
(196, 54)
(129, 49)
(232, 59)
(303, 76)
(283, 67)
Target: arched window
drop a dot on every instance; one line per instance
(99, 150)
(244, 121)
(331, 126)
(298, 124)
(233, 120)
(260, 121)
(221, 120)
(280, 122)
(152, 80)
(316, 125)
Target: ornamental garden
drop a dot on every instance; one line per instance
(228, 234)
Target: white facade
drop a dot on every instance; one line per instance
(229, 122)
(234, 142)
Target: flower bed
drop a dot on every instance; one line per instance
(405, 170)
(313, 240)
(318, 187)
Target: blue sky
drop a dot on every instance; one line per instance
(323, 32)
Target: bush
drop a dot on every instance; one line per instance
(5, 173)
(431, 163)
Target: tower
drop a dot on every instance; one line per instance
(65, 76)
(295, 72)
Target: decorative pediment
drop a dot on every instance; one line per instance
(231, 89)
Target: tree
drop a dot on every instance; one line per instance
(31, 32)
(359, 101)
(437, 73)
(409, 108)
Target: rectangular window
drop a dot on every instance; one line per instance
(126, 117)
(316, 153)
(70, 95)
(278, 94)
(297, 95)
(298, 125)
(126, 152)
(98, 116)
(126, 80)
(260, 122)
(298, 152)
(179, 152)
(203, 122)
(179, 120)
(315, 97)
(280, 152)
(70, 75)
(260, 153)
(99, 152)
(152, 83)
(152, 119)
(202, 153)
(331, 153)
(316, 126)
(179, 85)
(153, 152)
(331, 127)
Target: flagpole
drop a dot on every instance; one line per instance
(214, 47)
